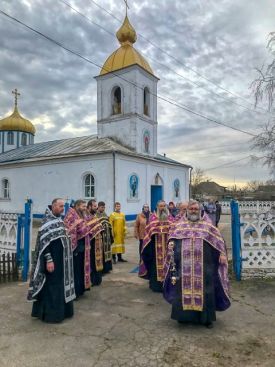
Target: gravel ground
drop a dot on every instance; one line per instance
(122, 323)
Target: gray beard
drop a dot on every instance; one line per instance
(163, 216)
(193, 217)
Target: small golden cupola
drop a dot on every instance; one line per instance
(15, 122)
(15, 130)
(126, 55)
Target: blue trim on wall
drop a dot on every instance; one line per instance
(38, 216)
(130, 217)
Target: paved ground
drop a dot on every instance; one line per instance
(122, 323)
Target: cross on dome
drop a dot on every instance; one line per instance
(127, 6)
(16, 94)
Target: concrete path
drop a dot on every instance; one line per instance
(123, 324)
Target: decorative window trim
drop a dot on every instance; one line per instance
(10, 138)
(146, 107)
(24, 139)
(114, 87)
(4, 189)
(84, 185)
(157, 177)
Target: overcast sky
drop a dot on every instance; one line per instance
(223, 40)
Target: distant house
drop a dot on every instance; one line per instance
(209, 189)
(265, 192)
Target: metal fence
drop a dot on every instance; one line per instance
(15, 239)
(8, 267)
(253, 242)
(248, 206)
(258, 245)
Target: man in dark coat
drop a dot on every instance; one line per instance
(52, 279)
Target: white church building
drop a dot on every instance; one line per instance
(121, 163)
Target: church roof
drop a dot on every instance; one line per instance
(73, 147)
(126, 55)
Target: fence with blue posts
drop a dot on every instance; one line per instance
(236, 239)
(23, 248)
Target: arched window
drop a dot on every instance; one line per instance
(24, 139)
(5, 188)
(116, 101)
(89, 186)
(146, 101)
(10, 140)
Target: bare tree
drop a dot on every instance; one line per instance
(253, 186)
(264, 88)
(265, 143)
(264, 85)
(198, 176)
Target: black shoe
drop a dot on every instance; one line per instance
(114, 259)
(121, 260)
(209, 326)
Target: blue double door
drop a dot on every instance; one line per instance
(156, 195)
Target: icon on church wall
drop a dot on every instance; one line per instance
(146, 141)
(133, 185)
(177, 188)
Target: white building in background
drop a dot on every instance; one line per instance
(121, 163)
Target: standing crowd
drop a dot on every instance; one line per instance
(182, 255)
(72, 255)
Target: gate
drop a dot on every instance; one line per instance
(253, 242)
(15, 240)
(236, 240)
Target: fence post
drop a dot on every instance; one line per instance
(19, 239)
(236, 239)
(27, 237)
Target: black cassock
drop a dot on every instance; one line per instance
(79, 255)
(149, 259)
(96, 276)
(50, 305)
(208, 314)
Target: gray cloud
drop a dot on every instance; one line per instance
(222, 40)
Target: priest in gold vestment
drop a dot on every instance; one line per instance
(118, 222)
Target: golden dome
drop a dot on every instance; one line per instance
(126, 55)
(15, 122)
(126, 33)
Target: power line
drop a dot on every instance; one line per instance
(227, 164)
(165, 99)
(181, 63)
(163, 65)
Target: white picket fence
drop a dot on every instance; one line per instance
(249, 206)
(258, 245)
(8, 233)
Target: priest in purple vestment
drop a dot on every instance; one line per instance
(154, 247)
(196, 270)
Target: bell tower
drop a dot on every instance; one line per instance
(127, 96)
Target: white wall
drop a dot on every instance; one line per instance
(45, 180)
(146, 171)
(128, 126)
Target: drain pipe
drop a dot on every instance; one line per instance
(114, 176)
(190, 181)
